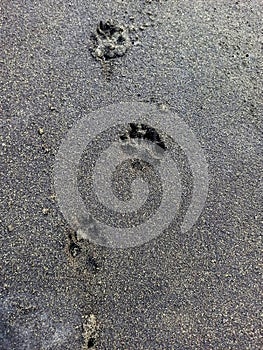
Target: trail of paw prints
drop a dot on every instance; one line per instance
(132, 169)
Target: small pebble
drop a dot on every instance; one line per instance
(41, 131)
(45, 211)
(10, 228)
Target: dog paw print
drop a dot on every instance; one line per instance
(143, 141)
(111, 40)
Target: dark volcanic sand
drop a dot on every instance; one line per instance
(199, 290)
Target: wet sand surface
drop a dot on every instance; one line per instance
(194, 290)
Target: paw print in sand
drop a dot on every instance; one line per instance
(111, 40)
(144, 142)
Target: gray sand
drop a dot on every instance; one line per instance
(197, 290)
